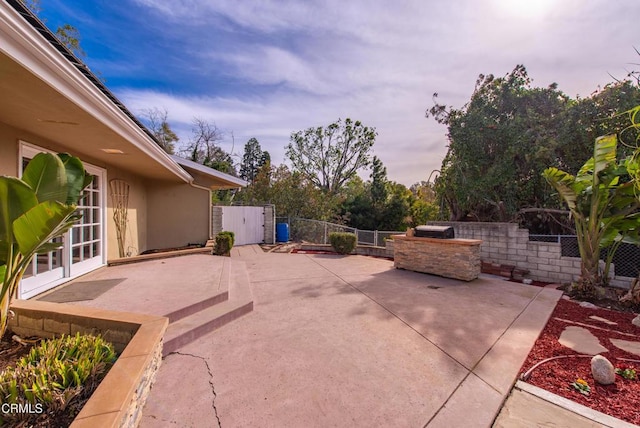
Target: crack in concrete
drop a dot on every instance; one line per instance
(213, 389)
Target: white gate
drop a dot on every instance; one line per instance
(247, 223)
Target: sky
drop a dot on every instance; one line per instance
(268, 68)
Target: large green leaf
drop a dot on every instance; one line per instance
(3, 272)
(562, 182)
(46, 174)
(604, 152)
(77, 178)
(17, 197)
(35, 228)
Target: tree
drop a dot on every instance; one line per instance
(423, 203)
(509, 132)
(379, 183)
(67, 33)
(252, 160)
(499, 143)
(203, 147)
(291, 193)
(330, 156)
(70, 37)
(604, 206)
(157, 122)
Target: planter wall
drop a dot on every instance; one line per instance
(119, 399)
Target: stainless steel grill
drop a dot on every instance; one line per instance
(439, 232)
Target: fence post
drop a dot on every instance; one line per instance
(325, 232)
(375, 238)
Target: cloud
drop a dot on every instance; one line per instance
(268, 68)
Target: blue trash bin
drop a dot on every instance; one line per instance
(282, 232)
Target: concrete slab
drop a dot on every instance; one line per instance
(526, 410)
(307, 359)
(474, 403)
(158, 287)
(351, 341)
(508, 354)
(530, 406)
(333, 341)
(463, 319)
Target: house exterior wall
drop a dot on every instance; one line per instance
(506, 243)
(177, 214)
(10, 138)
(8, 151)
(135, 241)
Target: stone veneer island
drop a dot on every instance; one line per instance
(451, 258)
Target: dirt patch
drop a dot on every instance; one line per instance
(620, 399)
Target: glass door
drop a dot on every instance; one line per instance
(87, 235)
(83, 248)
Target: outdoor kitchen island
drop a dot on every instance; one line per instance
(451, 258)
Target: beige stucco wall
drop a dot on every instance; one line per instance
(8, 151)
(136, 236)
(177, 214)
(135, 240)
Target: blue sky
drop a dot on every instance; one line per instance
(268, 68)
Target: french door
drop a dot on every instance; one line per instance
(83, 247)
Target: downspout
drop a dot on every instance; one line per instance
(196, 186)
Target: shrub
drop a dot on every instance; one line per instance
(224, 243)
(342, 242)
(230, 234)
(55, 372)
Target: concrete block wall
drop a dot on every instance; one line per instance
(216, 220)
(269, 224)
(506, 243)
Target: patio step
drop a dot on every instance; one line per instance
(218, 298)
(210, 317)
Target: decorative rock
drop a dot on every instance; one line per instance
(602, 370)
(627, 345)
(588, 305)
(636, 321)
(581, 340)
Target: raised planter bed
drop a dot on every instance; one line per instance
(120, 397)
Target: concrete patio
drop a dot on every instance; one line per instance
(334, 341)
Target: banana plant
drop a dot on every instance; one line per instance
(604, 206)
(34, 210)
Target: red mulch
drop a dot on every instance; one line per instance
(621, 399)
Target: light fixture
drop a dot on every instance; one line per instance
(113, 151)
